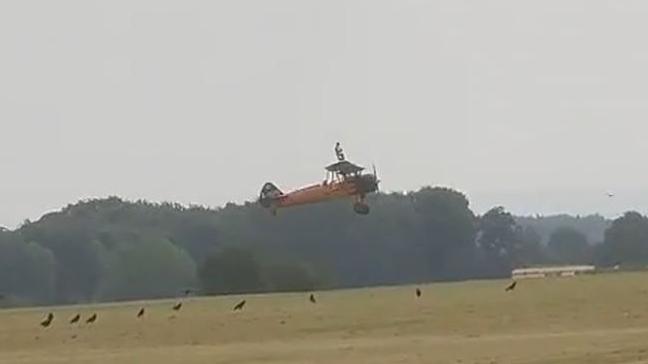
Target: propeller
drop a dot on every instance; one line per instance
(373, 166)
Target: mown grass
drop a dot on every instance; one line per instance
(588, 319)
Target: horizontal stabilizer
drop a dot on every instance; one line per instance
(268, 194)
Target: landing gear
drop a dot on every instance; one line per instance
(361, 208)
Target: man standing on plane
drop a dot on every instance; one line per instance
(339, 152)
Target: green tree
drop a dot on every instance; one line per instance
(430, 234)
(499, 241)
(79, 257)
(568, 246)
(593, 226)
(148, 268)
(231, 270)
(27, 270)
(626, 241)
(445, 227)
(531, 251)
(288, 277)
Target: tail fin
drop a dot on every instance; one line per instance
(269, 192)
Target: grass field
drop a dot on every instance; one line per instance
(593, 319)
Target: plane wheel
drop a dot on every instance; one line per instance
(361, 208)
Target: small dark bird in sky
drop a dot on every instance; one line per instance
(177, 306)
(239, 306)
(312, 298)
(48, 320)
(511, 286)
(91, 319)
(609, 194)
(75, 319)
(418, 292)
(140, 313)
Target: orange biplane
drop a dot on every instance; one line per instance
(344, 179)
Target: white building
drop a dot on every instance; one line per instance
(543, 272)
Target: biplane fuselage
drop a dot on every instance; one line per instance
(318, 192)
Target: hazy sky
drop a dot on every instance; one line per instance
(540, 106)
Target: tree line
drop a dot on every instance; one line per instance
(111, 249)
